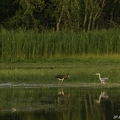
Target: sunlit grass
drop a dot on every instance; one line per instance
(79, 73)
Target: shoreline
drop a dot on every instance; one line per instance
(66, 85)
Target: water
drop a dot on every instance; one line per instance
(57, 103)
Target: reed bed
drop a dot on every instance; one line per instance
(34, 45)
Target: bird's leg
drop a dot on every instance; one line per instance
(101, 83)
(59, 81)
(62, 81)
(104, 83)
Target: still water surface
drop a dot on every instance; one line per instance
(71, 103)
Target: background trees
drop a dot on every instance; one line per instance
(74, 15)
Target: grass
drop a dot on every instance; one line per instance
(50, 53)
(32, 45)
(36, 73)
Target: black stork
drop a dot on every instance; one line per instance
(61, 78)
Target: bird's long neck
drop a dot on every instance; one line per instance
(99, 98)
(99, 77)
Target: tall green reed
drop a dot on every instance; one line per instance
(22, 45)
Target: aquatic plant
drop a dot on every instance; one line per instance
(32, 45)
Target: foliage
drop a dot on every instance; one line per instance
(32, 45)
(75, 15)
(81, 71)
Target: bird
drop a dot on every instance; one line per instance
(14, 109)
(103, 80)
(61, 78)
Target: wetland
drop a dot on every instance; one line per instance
(31, 92)
(59, 103)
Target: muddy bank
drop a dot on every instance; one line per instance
(86, 85)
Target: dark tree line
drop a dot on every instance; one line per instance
(75, 15)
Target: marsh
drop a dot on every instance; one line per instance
(58, 103)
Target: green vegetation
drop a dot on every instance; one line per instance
(49, 53)
(73, 101)
(42, 38)
(35, 46)
(44, 74)
(23, 99)
(57, 15)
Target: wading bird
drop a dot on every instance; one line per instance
(103, 80)
(61, 78)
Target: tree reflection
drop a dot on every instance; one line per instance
(59, 104)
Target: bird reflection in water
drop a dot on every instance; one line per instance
(61, 92)
(103, 95)
(62, 97)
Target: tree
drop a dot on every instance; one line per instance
(93, 9)
(7, 10)
(27, 14)
(63, 13)
(74, 15)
